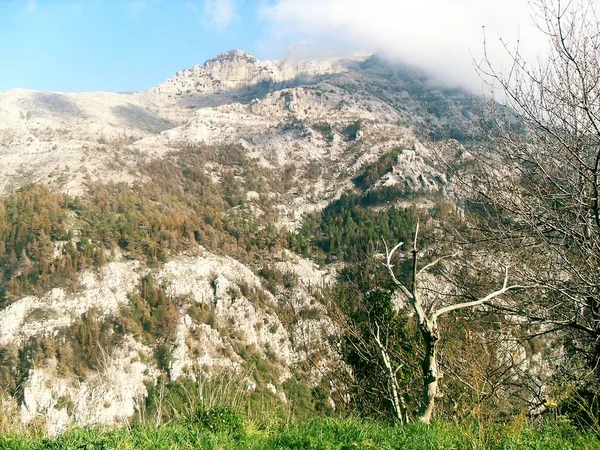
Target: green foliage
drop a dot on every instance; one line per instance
(152, 310)
(231, 394)
(348, 229)
(352, 130)
(47, 239)
(258, 367)
(9, 369)
(32, 220)
(272, 277)
(221, 420)
(181, 400)
(85, 343)
(326, 131)
(317, 434)
(295, 126)
(152, 317)
(81, 347)
(32, 353)
(580, 403)
(373, 172)
(77, 349)
(364, 297)
(202, 313)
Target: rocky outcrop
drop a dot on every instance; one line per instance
(237, 72)
(110, 396)
(283, 112)
(234, 314)
(104, 291)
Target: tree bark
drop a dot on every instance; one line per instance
(430, 371)
(398, 403)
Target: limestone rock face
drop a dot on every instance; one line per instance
(282, 112)
(108, 397)
(241, 314)
(105, 291)
(240, 71)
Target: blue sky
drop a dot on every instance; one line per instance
(132, 45)
(117, 45)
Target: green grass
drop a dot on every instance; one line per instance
(223, 430)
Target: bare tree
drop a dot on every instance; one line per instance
(537, 181)
(427, 313)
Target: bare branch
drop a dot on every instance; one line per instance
(504, 289)
(397, 400)
(390, 267)
(415, 240)
(437, 261)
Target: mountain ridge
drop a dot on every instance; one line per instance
(196, 201)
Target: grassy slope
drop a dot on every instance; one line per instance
(322, 433)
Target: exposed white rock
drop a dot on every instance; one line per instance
(218, 282)
(244, 314)
(110, 396)
(310, 276)
(236, 70)
(297, 115)
(105, 292)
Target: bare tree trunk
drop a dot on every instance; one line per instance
(398, 403)
(430, 372)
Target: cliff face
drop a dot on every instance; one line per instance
(222, 310)
(297, 113)
(237, 72)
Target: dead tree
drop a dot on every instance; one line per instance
(537, 176)
(398, 403)
(427, 315)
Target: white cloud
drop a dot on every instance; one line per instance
(219, 13)
(441, 36)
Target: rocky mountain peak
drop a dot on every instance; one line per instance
(233, 56)
(237, 72)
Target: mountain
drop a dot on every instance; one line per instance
(237, 75)
(166, 233)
